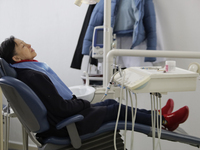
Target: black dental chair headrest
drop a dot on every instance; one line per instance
(6, 69)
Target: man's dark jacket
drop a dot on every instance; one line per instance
(58, 108)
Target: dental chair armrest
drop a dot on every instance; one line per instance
(69, 120)
(69, 123)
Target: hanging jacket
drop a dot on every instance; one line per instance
(136, 17)
(78, 56)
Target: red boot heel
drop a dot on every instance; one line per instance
(168, 108)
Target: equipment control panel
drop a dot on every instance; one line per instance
(97, 42)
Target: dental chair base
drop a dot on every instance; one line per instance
(103, 141)
(99, 138)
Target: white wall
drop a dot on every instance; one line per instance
(52, 27)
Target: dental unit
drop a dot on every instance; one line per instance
(156, 80)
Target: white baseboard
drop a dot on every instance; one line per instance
(19, 146)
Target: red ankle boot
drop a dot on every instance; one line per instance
(168, 108)
(176, 118)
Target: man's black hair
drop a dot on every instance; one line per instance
(7, 49)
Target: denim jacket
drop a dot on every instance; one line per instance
(135, 17)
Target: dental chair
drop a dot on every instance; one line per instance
(33, 116)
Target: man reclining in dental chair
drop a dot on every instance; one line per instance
(61, 103)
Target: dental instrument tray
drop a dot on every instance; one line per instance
(156, 79)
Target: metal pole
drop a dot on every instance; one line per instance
(106, 39)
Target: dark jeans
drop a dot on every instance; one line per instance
(143, 116)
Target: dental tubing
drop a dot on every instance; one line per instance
(155, 105)
(133, 114)
(160, 126)
(120, 102)
(133, 117)
(155, 118)
(109, 86)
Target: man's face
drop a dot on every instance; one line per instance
(23, 51)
